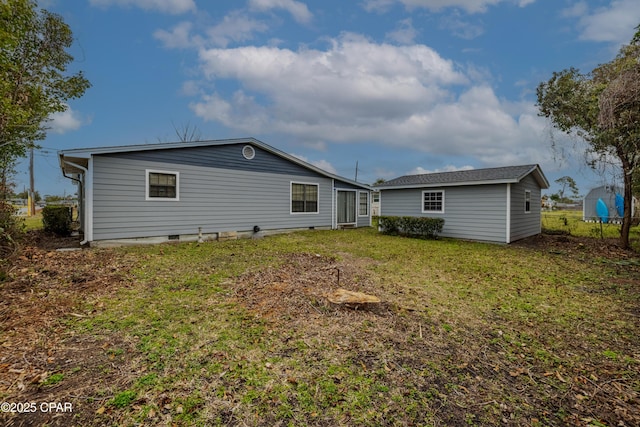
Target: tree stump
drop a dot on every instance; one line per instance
(352, 298)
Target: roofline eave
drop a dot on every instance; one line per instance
(87, 153)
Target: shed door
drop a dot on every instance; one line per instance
(346, 207)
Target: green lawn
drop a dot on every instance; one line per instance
(570, 222)
(241, 333)
(33, 222)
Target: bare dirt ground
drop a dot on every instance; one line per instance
(46, 286)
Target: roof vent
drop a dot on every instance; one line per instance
(248, 152)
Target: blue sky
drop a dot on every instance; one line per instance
(396, 86)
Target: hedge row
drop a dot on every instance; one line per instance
(57, 219)
(411, 226)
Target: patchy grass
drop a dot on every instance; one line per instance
(571, 223)
(33, 222)
(241, 333)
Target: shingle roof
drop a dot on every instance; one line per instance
(507, 174)
(75, 154)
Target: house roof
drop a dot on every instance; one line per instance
(500, 175)
(76, 160)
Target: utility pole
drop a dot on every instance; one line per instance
(32, 190)
(356, 180)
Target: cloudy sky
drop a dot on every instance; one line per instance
(394, 86)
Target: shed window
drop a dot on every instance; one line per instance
(162, 185)
(363, 204)
(304, 198)
(527, 201)
(433, 201)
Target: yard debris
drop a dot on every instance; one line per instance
(351, 298)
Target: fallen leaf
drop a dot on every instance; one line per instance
(517, 372)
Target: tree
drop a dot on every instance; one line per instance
(25, 195)
(188, 133)
(603, 108)
(566, 181)
(33, 79)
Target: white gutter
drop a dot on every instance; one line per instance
(508, 227)
(87, 193)
(334, 221)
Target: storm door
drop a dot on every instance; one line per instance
(346, 207)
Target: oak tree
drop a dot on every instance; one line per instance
(34, 83)
(603, 108)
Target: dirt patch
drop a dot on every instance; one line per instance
(299, 289)
(40, 361)
(577, 247)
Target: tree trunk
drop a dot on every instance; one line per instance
(627, 173)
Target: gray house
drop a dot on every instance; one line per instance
(206, 190)
(495, 205)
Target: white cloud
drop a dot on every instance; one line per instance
(178, 38)
(174, 7)
(469, 6)
(461, 28)
(615, 23)
(66, 121)
(235, 27)
(325, 165)
(322, 164)
(404, 34)
(297, 9)
(576, 10)
(359, 91)
(352, 75)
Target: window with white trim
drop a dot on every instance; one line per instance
(304, 197)
(162, 185)
(527, 201)
(363, 203)
(433, 201)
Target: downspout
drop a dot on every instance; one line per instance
(81, 185)
(508, 227)
(84, 196)
(334, 224)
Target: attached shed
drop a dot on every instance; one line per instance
(495, 205)
(206, 190)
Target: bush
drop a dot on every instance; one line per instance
(11, 228)
(57, 219)
(411, 226)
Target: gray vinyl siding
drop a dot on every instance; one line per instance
(226, 156)
(363, 221)
(216, 199)
(525, 224)
(470, 212)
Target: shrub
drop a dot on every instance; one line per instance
(57, 219)
(411, 226)
(389, 224)
(11, 228)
